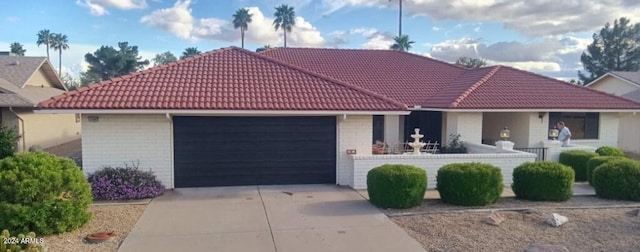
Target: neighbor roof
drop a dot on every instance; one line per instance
(635, 95)
(629, 77)
(19, 69)
(225, 79)
(28, 96)
(421, 81)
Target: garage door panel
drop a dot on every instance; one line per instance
(218, 151)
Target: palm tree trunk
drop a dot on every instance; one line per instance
(400, 20)
(47, 44)
(242, 36)
(285, 38)
(60, 64)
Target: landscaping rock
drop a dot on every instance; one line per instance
(495, 218)
(634, 213)
(557, 220)
(545, 248)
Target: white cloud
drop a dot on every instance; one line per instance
(529, 17)
(378, 41)
(435, 28)
(99, 7)
(532, 66)
(179, 21)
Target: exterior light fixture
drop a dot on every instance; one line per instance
(505, 133)
(553, 133)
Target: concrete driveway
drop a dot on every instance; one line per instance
(266, 218)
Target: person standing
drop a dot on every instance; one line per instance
(564, 135)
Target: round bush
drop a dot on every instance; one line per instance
(543, 181)
(618, 179)
(470, 184)
(610, 151)
(577, 159)
(597, 161)
(396, 186)
(42, 193)
(124, 183)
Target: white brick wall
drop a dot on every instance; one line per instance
(629, 134)
(118, 139)
(354, 132)
(431, 163)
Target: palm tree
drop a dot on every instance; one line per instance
(44, 38)
(285, 19)
(241, 19)
(59, 42)
(265, 47)
(402, 43)
(190, 51)
(17, 49)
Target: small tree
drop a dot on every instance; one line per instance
(8, 139)
(471, 63)
(614, 48)
(164, 58)
(17, 49)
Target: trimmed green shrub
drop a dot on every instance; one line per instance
(42, 193)
(577, 159)
(470, 184)
(543, 181)
(610, 151)
(396, 186)
(594, 162)
(618, 179)
(8, 139)
(27, 243)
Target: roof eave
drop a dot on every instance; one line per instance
(222, 112)
(526, 110)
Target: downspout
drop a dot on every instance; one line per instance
(24, 143)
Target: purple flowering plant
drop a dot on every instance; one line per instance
(124, 183)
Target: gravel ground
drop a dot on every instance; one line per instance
(437, 206)
(118, 218)
(587, 230)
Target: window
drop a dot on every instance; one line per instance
(582, 125)
(378, 128)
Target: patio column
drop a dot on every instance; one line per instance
(554, 148)
(467, 124)
(393, 129)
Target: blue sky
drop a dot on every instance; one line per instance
(543, 36)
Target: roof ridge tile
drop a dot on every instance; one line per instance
(475, 86)
(321, 76)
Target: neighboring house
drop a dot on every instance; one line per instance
(25, 82)
(627, 85)
(294, 116)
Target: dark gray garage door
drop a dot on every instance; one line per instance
(223, 151)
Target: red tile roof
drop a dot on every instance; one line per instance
(416, 80)
(508, 88)
(405, 77)
(226, 79)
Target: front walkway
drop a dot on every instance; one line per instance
(266, 218)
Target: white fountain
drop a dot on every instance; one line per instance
(416, 144)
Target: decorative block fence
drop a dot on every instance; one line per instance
(506, 160)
